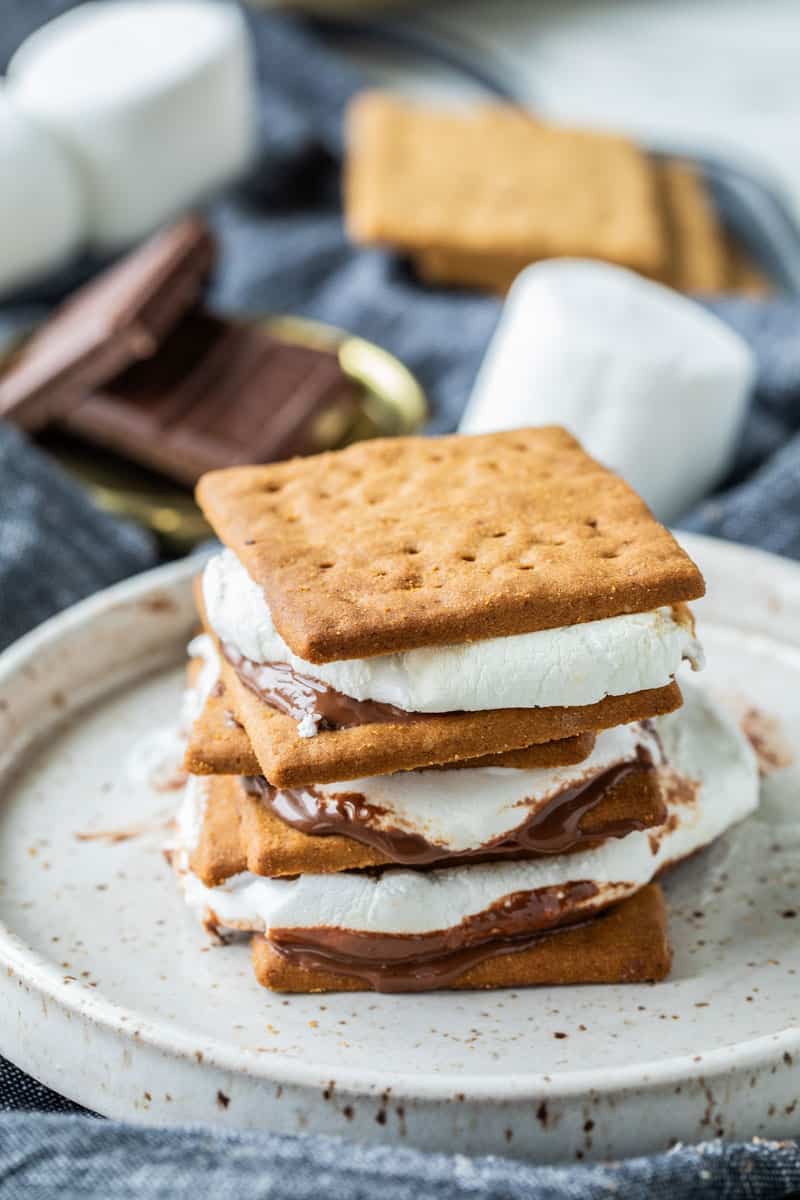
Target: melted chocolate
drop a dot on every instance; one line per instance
(392, 962)
(426, 975)
(554, 827)
(299, 696)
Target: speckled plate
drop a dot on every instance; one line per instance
(110, 993)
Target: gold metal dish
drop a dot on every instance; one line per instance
(392, 403)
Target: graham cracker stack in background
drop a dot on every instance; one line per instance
(495, 183)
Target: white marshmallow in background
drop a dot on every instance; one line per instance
(41, 207)
(654, 386)
(155, 101)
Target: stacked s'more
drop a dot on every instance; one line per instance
(434, 734)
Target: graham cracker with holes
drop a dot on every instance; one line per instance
(493, 180)
(399, 543)
(627, 944)
(288, 760)
(218, 745)
(267, 845)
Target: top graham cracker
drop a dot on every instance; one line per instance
(494, 180)
(399, 543)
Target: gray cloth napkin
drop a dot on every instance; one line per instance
(72, 1159)
(55, 546)
(284, 249)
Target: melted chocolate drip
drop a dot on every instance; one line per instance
(552, 828)
(299, 696)
(392, 962)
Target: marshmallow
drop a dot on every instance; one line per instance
(41, 207)
(576, 664)
(654, 386)
(701, 743)
(155, 101)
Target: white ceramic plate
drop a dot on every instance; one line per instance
(110, 993)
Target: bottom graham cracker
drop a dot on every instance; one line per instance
(627, 944)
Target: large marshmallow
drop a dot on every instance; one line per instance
(576, 664)
(41, 207)
(155, 101)
(700, 742)
(654, 386)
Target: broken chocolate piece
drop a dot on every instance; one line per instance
(220, 392)
(119, 318)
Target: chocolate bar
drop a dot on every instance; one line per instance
(133, 362)
(220, 392)
(122, 316)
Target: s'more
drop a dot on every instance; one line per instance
(433, 730)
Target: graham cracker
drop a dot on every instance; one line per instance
(696, 255)
(563, 752)
(494, 180)
(218, 745)
(119, 318)
(627, 944)
(288, 760)
(743, 276)
(696, 259)
(398, 543)
(451, 268)
(220, 851)
(271, 847)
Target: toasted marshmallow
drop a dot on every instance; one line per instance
(705, 749)
(573, 665)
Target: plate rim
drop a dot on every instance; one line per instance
(33, 969)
